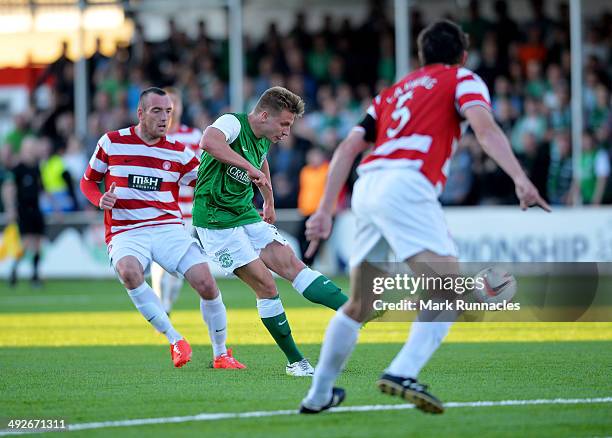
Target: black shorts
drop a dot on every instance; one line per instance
(31, 221)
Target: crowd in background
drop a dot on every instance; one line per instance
(337, 70)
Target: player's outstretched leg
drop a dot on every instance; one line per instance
(317, 288)
(426, 335)
(340, 339)
(313, 285)
(214, 313)
(131, 274)
(338, 396)
(272, 314)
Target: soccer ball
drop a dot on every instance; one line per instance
(494, 285)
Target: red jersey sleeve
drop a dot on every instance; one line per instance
(470, 90)
(98, 164)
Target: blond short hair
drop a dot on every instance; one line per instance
(276, 99)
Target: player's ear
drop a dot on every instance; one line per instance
(264, 116)
(464, 58)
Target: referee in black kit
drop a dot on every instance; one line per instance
(21, 196)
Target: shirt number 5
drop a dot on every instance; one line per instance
(401, 113)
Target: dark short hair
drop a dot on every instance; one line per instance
(146, 92)
(276, 99)
(442, 42)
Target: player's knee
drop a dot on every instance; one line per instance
(294, 268)
(206, 286)
(290, 267)
(265, 288)
(130, 275)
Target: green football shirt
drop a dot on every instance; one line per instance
(223, 195)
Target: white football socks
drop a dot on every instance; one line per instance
(150, 307)
(340, 339)
(167, 287)
(215, 317)
(423, 341)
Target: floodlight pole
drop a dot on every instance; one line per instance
(402, 38)
(576, 85)
(236, 69)
(80, 78)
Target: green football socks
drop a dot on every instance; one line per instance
(317, 288)
(273, 317)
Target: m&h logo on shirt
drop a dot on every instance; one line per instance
(146, 183)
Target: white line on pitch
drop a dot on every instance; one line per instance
(366, 408)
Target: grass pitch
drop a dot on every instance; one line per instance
(78, 350)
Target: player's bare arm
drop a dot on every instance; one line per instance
(213, 142)
(320, 223)
(268, 214)
(496, 145)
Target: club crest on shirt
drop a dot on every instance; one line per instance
(166, 165)
(145, 183)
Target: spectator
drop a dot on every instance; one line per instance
(533, 49)
(594, 170)
(536, 86)
(560, 170)
(489, 67)
(318, 59)
(61, 73)
(336, 71)
(14, 138)
(59, 194)
(506, 32)
(560, 116)
(286, 158)
(312, 186)
(475, 26)
(532, 121)
(460, 181)
(601, 112)
(386, 62)
(505, 115)
(535, 159)
(97, 62)
(21, 193)
(504, 92)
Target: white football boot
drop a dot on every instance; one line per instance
(301, 368)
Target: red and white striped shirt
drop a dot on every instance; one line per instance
(419, 120)
(190, 137)
(147, 179)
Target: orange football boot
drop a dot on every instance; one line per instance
(181, 353)
(227, 361)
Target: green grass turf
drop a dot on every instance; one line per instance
(87, 383)
(109, 295)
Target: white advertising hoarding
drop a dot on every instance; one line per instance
(482, 234)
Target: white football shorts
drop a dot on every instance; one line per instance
(232, 248)
(168, 245)
(397, 210)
